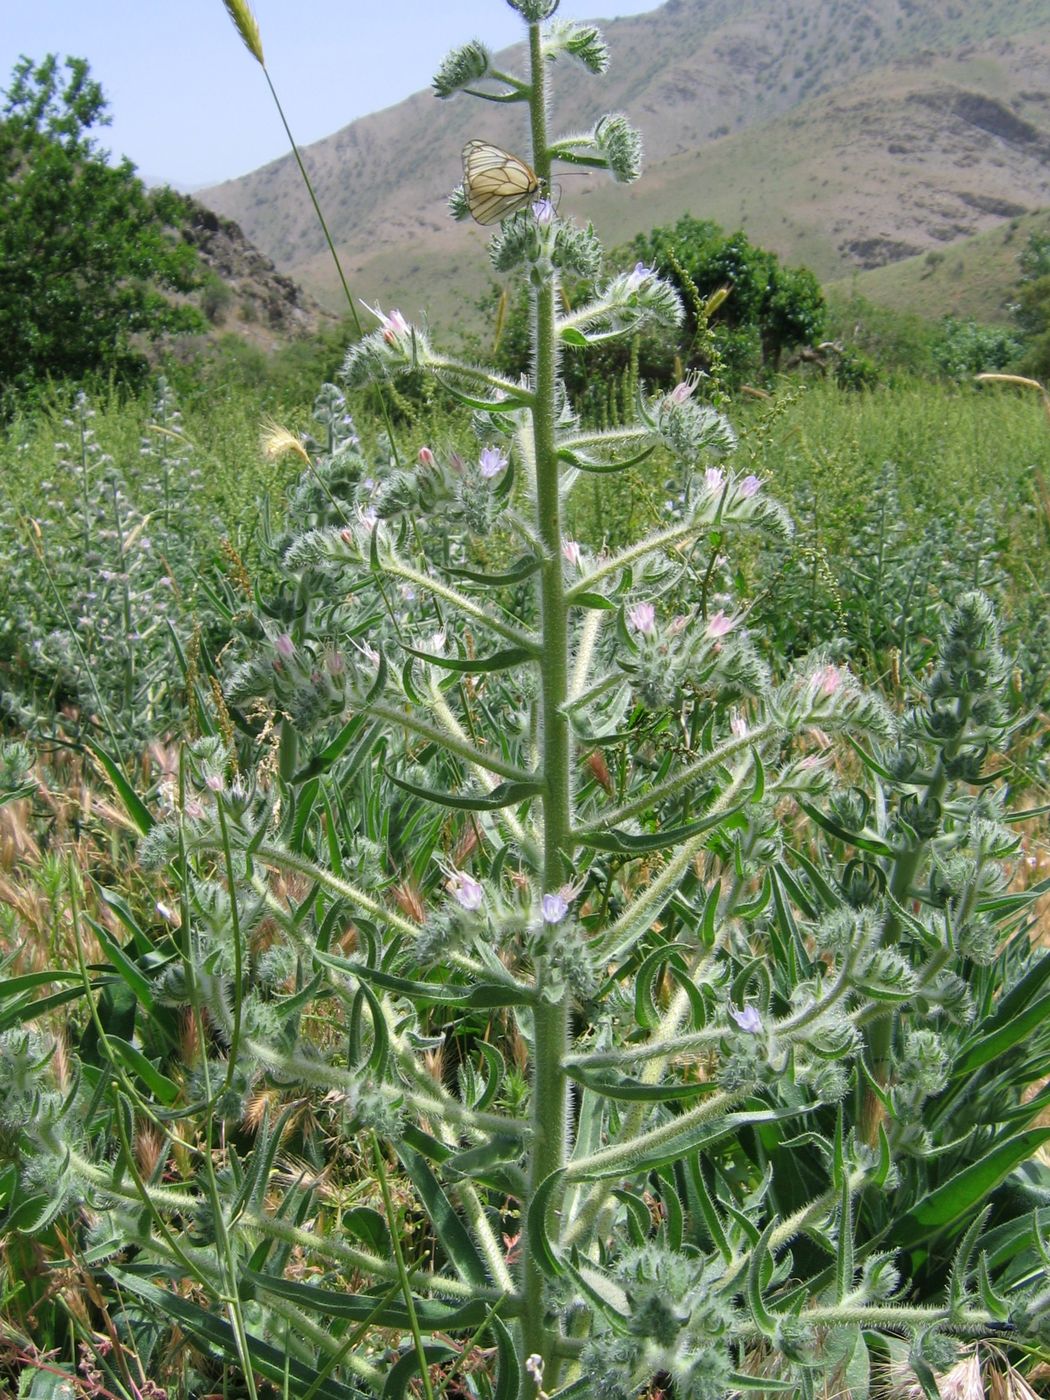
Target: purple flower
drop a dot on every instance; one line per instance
(747, 1019)
(469, 893)
(491, 462)
(285, 646)
(640, 274)
(714, 479)
(750, 485)
(543, 211)
(555, 907)
(642, 617)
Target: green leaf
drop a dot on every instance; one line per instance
(508, 1376)
(971, 1185)
(321, 762)
(540, 1247)
(697, 1135)
(384, 1311)
(213, 1332)
(622, 1087)
(160, 1086)
(369, 1227)
(517, 573)
(481, 995)
(136, 982)
(760, 1255)
(407, 1369)
(133, 804)
(596, 601)
(851, 838)
(508, 794)
(623, 843)
(446, 1224)
(619, 464)
(478, 665)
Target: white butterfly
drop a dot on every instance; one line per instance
(496, 183)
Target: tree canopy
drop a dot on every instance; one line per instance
(90, 256)
(770, 308)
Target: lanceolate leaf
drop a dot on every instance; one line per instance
(517, 573)
(431, 1315)
(133, 804)
(623, 1087)
(478, 665)
(626, 843)
(970, 1185)
(508, 794)
(212, 1331)
(446, 1224)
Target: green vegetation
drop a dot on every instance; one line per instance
(769, 308)
(90, 257)
(524, 882)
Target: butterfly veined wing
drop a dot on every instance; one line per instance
(496, 183)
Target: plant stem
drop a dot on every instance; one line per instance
(549, 1100)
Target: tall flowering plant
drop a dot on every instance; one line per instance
(558, 1001)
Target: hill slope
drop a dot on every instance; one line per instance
(843, 133)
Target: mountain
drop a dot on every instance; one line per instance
(846, 134)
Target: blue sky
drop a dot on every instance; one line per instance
(189, 104)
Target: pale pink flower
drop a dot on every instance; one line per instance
(572, 553)
(738, 726)
(393, 325)
(426, 458)
(491, 462)
(642, 617)
(437, 642)
(367, 651)
(750, 485)
(714, 479)
(719, 625)
(827, 680)
(284, 646)
(369, 517)
(681, 392)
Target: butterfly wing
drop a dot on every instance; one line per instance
(496, 183)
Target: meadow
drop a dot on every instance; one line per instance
(903, 498)
(496, 904)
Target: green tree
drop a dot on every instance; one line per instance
(770, 309)
(90, 256)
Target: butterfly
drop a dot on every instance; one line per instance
(496, 183)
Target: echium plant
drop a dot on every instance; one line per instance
(107, 570)
(681, 993)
